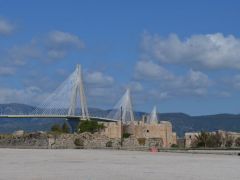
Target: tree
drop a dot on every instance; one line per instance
(237, 142)
(90, 126)
(56, 128)
(65, 128)
(205, 139)
(228, 141)
(214, 140)
(201, 139)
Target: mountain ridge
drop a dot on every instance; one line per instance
(181, 122)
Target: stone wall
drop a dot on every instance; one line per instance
(72, 141)
(163, 130)
(32, 140)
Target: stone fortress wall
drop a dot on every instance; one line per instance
(142, 129)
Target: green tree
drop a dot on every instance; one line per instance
(205, 139)
(56, 128)
(228, 141)
(201, 139)
(237, 142)
(65, 128)
(214, 140)
(90, 126)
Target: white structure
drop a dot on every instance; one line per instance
(78, 89)
(68, 99)
(153, 118)
(123, 108)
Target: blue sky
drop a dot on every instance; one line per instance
(183, 56)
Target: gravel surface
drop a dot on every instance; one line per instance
(39, 164)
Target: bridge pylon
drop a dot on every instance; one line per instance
(78, 89)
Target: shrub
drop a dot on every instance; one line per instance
(126, 135)
(109, 144)
(214, 140)
(237, 142)
(79, 142)
(205, 139)
(56, 128)
(141, 141)
(65, 128)
(174, 146)
(90, 126)
(229, 142)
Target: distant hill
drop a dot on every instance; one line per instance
(181, 122)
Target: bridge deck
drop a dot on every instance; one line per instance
(58, 116)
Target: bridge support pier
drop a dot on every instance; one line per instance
(73, 123)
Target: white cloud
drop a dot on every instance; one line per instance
(224, 94)
(56, 54)
(197, 79)
(98, 79)
(21, 54)
(155, 94)
(135, 86)
(167, 84)
(59, 43)
(148, 69)
(6, 27)
(61, 39)
(210, 51)
(55, 46)
(30, 95)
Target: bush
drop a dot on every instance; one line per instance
(126, 135)
(79, 142)
(237, 142)
(141, 141)
(56, 128)
(214, 140)
(205, 139)
(65, 128)
(109, 144)
(90, 126)
(174, 146)
(229, 142)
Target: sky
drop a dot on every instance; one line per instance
(182, 56)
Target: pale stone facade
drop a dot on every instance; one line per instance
(112, 130)
(141, 129)
(190, 137)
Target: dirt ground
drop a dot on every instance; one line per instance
(41, 164)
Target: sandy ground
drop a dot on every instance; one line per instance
(117, 165)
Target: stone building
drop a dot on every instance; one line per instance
(190, 137)
(142, 129)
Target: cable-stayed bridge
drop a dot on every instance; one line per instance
(69, 102)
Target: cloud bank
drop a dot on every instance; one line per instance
(211, 51)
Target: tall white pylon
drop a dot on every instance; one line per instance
(123, 108)
(77, 88)
(66, 99)
(152, 118)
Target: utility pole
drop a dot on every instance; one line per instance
(121, 125)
